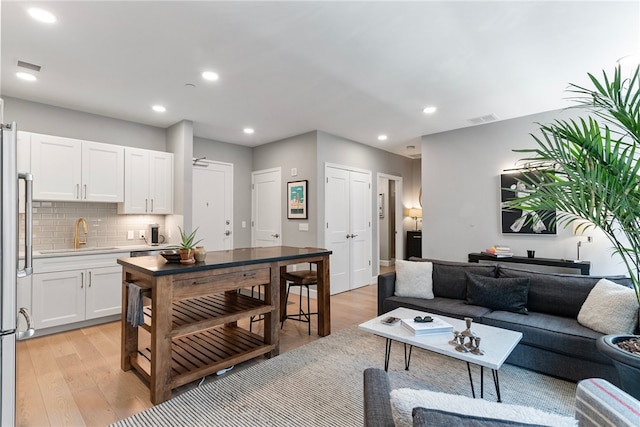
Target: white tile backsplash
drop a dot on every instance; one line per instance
(54, 224)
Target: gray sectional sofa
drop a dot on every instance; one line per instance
(553, 342)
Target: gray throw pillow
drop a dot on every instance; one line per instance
(498, 294)
(437, 418)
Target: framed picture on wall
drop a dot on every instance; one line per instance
(297, 200)
(517, 221)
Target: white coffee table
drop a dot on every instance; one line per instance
(496, 343)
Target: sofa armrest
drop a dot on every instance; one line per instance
(386, 288)
(377, 406)
(598, 403)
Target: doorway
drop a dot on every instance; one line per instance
(266, 208)
(390, 215)
(212, 203)
(348, 226)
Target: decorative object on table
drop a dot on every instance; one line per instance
(499, 251)
(172, 255)
(187, 243)
(424, 326)
(467, 341)
(521, 219)
(593, 179)
(200, 253)
(297, 200)
(531, 253)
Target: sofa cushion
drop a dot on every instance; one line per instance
(441, 306)
(509, 294)
(449, 279)
(557, 294)
(610, 309)
(413, 279)
(553, 333)
(404, 400)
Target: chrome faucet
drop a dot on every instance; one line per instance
(76, 239)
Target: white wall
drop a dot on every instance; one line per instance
(461, 209)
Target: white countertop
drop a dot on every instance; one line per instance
(93, 250)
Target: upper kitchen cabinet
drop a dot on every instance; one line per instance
(148, 182)
(72, 170)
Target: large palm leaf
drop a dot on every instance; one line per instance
(587, 169)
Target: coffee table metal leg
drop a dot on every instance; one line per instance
(496, 381)
(387, 354)
(407, 360)
(482, 382)
(473, 392)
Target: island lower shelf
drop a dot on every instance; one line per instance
(203, 353)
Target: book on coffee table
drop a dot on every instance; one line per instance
(437, 326)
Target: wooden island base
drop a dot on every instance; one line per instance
(191, 312)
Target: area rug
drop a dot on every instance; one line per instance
(320, 384)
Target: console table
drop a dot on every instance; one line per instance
(193, 312)
(583, 266)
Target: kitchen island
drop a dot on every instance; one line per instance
(192, 311)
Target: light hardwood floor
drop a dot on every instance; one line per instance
(74, 378)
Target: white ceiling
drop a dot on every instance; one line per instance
(353, 69)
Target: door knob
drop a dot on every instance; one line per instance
(348, 236)
(227, 232)
(275, 235)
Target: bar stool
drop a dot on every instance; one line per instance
(260, 317)
(301, 278)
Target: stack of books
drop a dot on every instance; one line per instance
(499, 251)
(437, 326)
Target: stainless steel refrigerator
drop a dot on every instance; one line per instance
(14, 264)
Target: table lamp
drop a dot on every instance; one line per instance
(415, 214)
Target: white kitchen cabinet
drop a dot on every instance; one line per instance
(148, 177)
(75, 288)
(68, 169)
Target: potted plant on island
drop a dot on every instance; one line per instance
(588, 169)
(186, 246)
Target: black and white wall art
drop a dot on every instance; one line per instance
(517, 221)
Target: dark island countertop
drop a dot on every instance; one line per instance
(158, 266)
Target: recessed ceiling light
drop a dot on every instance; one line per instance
(248, 130)
(382, 137)
(429, 110)
(159, 108)
(42, 15)
(210, 75)
(26, 76)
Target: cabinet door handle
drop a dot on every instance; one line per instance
(89, 279)
(81, 280)
(77, 191)
(151, 205)
(145, 204)
(85, 191)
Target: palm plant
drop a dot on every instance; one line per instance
(587, 168)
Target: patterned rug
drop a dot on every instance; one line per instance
(320, 384)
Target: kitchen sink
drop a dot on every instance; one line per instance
(73, 251)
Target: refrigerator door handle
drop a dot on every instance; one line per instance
(28, 224)
(30, 331)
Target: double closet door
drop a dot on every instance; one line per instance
(348, 226)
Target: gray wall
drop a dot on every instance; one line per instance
(50, 120)
(461, 181)
(296, 152)
(242, 159)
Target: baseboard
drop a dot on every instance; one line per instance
(386, 262)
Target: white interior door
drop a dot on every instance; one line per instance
(266, 208)
(360, 225)
(213, 204)
(337, 234)
(348, 227)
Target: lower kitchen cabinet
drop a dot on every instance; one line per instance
(64, 294)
